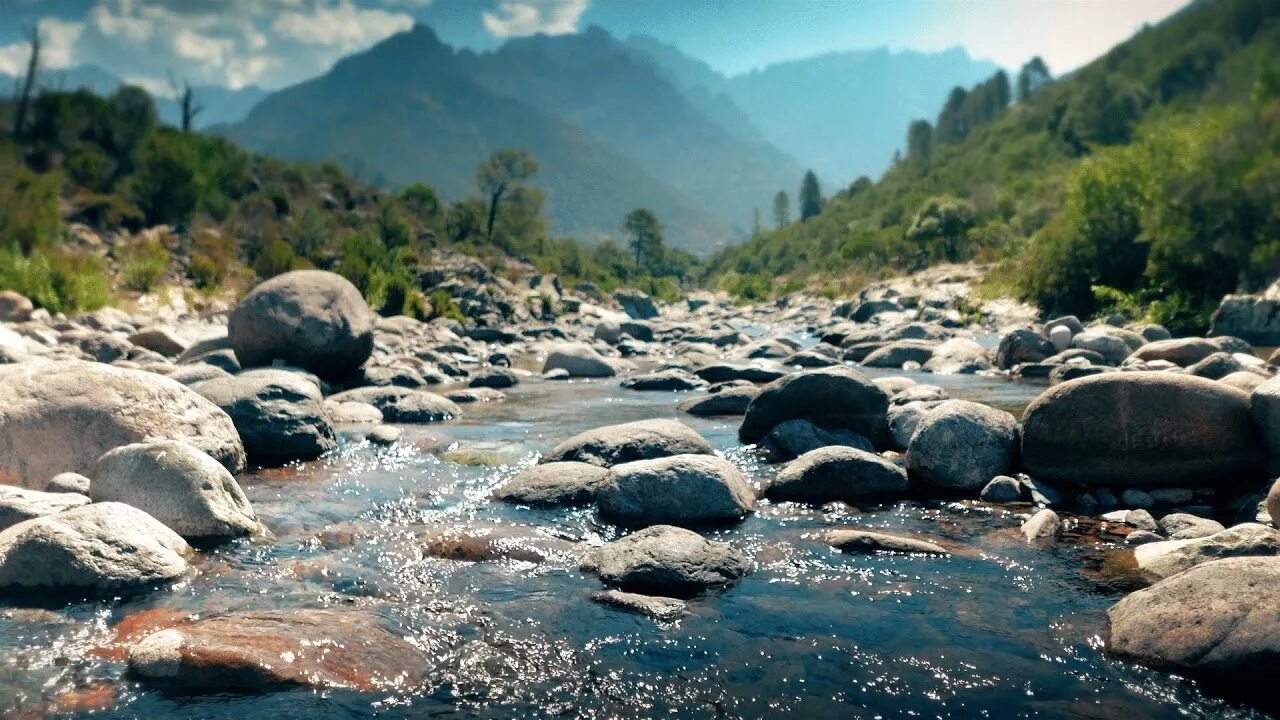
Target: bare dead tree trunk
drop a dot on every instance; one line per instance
(28, 87)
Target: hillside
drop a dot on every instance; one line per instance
(593, 82)
(1126, 175)
(409, 110)
(840, 114)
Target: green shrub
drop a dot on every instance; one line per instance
(56, 281)
(142, 264)
(276, 258)
(442, 305)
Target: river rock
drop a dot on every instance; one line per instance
(1244, 380)
(665, 380)
(554, 483)
(726, 372)
(1166, 558)
(1265, 406)
(729, 401)
(686, 490)
(961, 445)
(1043, 526)
(68, 482)
(833, 398)
(899, 352)
(637, 305)
(1130, 430)
(15, 307)
(641, 440)
(309, 318)
(265, 650)
(178, 485)
(99, 547)
(1002, 489)
(958, 356)
(793, 438)
(19, 504)
(659, 608)
(838, 473)
(352, 413)
(667, 560)
(1185, 526)
(495, 378)
(1183, 352)
(905, 419)
(160, 339)
(1022, 345)
(403, 405)
(62, 416)
(1105, 342)
(857, 540)
(1272, 503)
(578, 360)
(1219, 620)
(280, 415)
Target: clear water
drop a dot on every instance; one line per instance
(1003, 630)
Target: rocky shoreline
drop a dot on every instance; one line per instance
(121, 437)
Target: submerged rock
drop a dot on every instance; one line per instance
(62, 416)
(100, 547)
(641, 440)
(665, 559)
(659, 608)
(277, 649)
(679, 490)
(309, 318)
(857, 540)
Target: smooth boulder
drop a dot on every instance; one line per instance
(837, 473)
(402, 405)
(60, 417)
(668, 560)
(627, 442)
(309, 318)
(686, 490)
(20, 504)
(1131, 430)
(578, 360)
(556, 483)
(1170, 557)
(834, 398)
(93, 548)
(960, 445)
(178, 485)
(280, 415)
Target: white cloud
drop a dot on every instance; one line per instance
(518, 18)
(221, 42)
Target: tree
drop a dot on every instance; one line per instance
(940, 226)
(755, 222)
(644, 235)
(499, 175)
(1032, 75)
(781, 209)
(187, 103)
(28, 86)
(810, 196)
(919, 141)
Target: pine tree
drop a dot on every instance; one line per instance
(781, 209)
(810, 196)
(644, 236)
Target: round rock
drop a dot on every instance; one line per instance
(685, 490)
(668, 560)
(556, 483)
(961, 445)
(837, 473)
(833, 398)
(628, 442)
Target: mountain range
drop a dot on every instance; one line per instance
(615, 124)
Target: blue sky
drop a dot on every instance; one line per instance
(279, 42)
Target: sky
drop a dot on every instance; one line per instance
(274, 43)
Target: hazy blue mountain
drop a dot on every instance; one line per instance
(596, 83)
(841, 114)
(410, 109)
(221, 105)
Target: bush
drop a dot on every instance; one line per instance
(56, 281)
(142, 263)
(442, 305)
(276, 258)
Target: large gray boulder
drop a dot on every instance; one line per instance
(729, 401)
(898, 352)
(1169, 557)
(833, 398)
(280, 415)
(402, 405)
(641, 440)
(19, 504)
(1141, 429)
(686, 490)
(958, 356)
(60, 417)
(1106, 341)
(578, 360)
(309, 318)
(636, 304)
(838, 473)
(960, 445)
(556, 483)
(1183, 352)
(793, 438)
(668, 560)
(1256, 318)
(1219, 620)
(1264, 404)
(100, 547)
(178, 485)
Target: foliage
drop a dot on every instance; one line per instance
(644, 236)
(142, 263)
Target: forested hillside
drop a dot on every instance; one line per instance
(1149, 180)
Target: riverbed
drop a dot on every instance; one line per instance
(1001, 629)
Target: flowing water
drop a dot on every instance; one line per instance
(1003, 630)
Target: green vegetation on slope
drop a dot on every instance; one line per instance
(1147, 175)
(108, 164)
